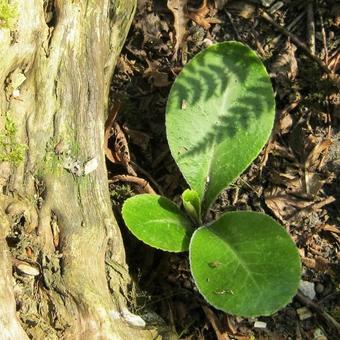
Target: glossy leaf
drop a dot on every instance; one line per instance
(158, 222)
(219, 115)
(245, 264)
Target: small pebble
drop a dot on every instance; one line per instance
(307, 289)
(319, 288)
(260, 324)
(207, 42)
(267, 3)
(16, 93)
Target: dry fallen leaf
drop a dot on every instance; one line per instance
(121, 149)
(151, 27)
(159, 79)
(141, 5)
(219, 4)
(211, 316)
(318, 150)
(313, 183)
(286, 63)
(285, 123)
(283, 205)
(179, 11)
(126, 66)
(109, 131)
(242, 9)
(121, 153)
(136, 137)
(199, 15)
(331, 228)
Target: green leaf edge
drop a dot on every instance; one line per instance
(268, 313)
(205, 208)
(150, 245)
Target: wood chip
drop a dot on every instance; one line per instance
(331, 228)
(308, 262)
(304, 313)
(260, 324)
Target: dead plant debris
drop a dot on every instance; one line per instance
(296, 178)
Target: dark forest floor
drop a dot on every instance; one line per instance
(295, 179)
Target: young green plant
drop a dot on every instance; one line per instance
(219, 115)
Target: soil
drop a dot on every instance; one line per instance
(295, 178)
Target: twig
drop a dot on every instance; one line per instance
(313, 206)
(288, 108)
(311, 28)
(295, 40)
(146, 174)
(233, 26)
(334, 60)
(159, 159)
(334, 295)
(144, 184)
(214, 323)
(319, 205)
(290, 27)
(121, 149)
(312, 305)
(109, 131)
(324, 38)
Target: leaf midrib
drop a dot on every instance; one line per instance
(179, 223)
(235, 253)
(222, 112)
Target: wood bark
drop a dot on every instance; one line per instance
(62, 263)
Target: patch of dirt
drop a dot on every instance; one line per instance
(295, 179)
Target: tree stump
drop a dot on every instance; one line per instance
(62, 263)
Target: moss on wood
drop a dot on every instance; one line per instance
(10, 150)
(8, 14)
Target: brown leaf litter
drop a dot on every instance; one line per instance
(200, 15)
(120, 153)
(158, 78)
(297, 185)
(294, 190)
(182, 11)
(179, 11)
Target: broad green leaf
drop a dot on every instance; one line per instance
(192, 204)
(158, 222)
(245, 264)
(219, 115)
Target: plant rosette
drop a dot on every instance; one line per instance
(219, 115)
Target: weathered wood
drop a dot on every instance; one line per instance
(56, 64)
